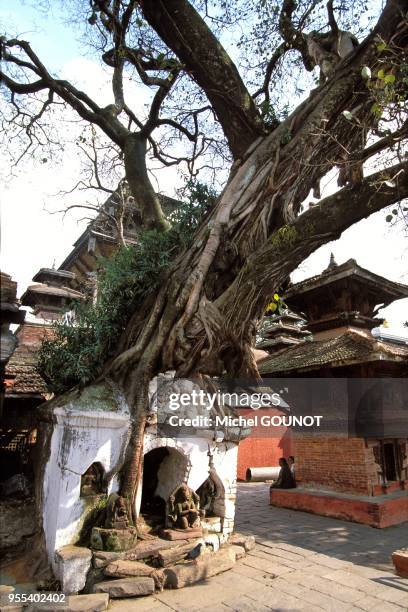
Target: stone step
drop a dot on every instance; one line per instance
(124, 569)
(202, 568)
(247, 541)
(150, 548)
(182, 534)
(95, 602)
(127, 569)
(211, 524)
(126, 587)
(143, 550)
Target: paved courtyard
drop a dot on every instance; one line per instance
(300, 562)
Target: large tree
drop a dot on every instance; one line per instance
(203, 319)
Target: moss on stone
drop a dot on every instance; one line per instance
(104, 397)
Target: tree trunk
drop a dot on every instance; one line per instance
(134, 154)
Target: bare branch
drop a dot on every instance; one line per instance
(293, 38)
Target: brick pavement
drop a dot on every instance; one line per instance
(301, 562)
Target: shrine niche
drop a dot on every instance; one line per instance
(92, 481)
(208, 493)
(164, 468)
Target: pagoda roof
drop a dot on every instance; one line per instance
(352, 347)
(31, 295)
(59, 277)
(282, 339)
(387, 290)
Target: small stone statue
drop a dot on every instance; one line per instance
(184, 508)
(116, 513)
(207, 493)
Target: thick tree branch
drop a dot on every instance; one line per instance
(268, 267)
(185, 32)
(157, 102)
(381, 145)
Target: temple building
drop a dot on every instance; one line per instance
(362, 474)
(10, 314)
(118, 220)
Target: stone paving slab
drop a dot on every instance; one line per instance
(319, 563)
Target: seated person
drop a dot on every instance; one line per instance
(285, 479)
(291, 463)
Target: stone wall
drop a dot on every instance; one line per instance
(94, 428)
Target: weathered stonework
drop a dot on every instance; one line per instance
(113, 540)
(72, 564)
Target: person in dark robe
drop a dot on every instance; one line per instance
(291, 463)
(285, 479)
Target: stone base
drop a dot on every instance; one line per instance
(126, 587)
(374, 511)
(202, 568)
(211, 524)
(400, 560)
(181, 534)
(113, 540)
(72, 566)
(87, 603)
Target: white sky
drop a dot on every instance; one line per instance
(32, 238)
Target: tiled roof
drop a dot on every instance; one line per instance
(350, 347)
(24, 380)
(21, 376)
(49, 290)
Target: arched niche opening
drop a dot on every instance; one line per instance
(164, 469)
(212, 496)
(93, 480)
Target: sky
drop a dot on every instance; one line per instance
(32, 238)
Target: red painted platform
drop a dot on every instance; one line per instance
(391, 509)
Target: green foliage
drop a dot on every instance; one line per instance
(197, 201)
(82, 344)
(268, 114)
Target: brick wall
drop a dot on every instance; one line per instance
(261, 449)
(338, 464)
